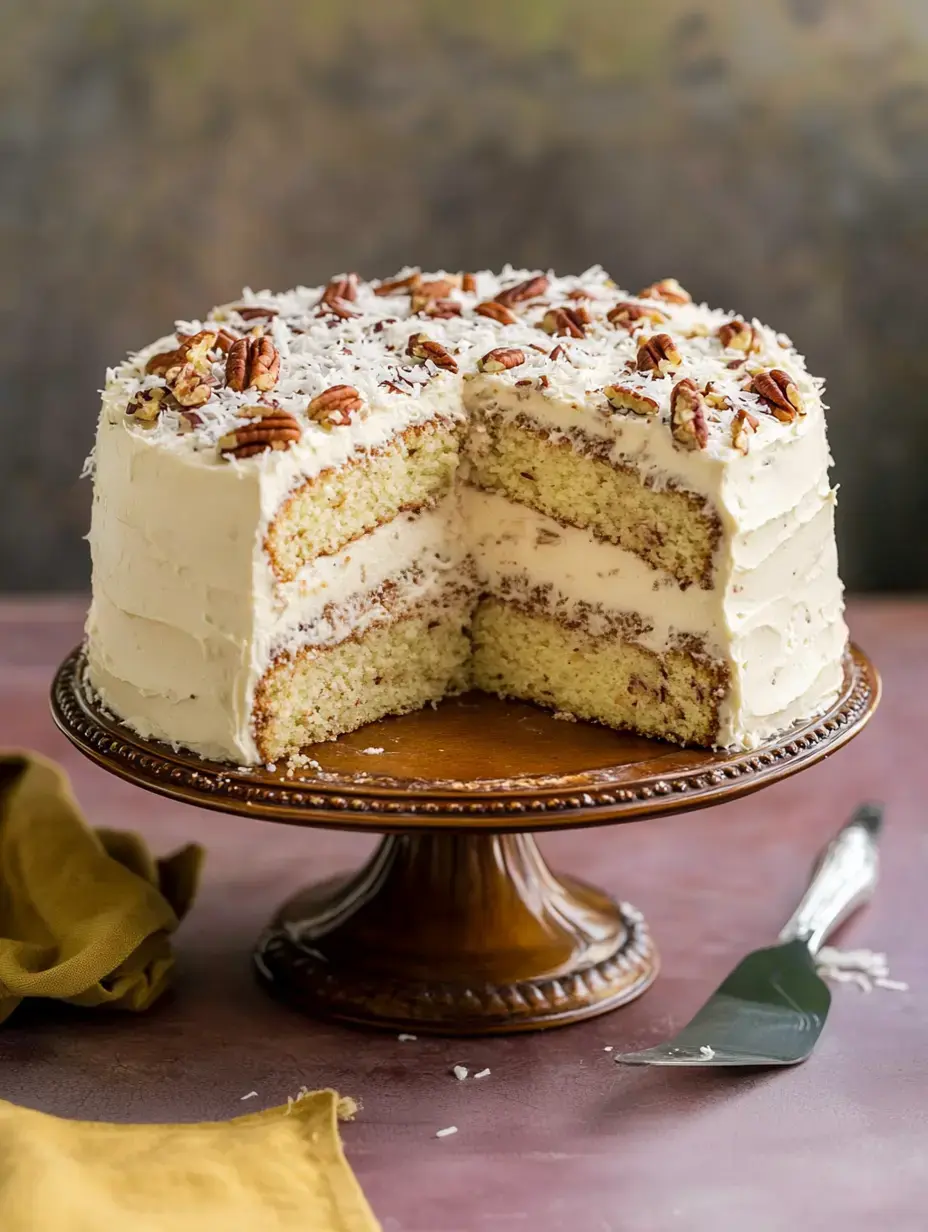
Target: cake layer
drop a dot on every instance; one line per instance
(535, 657)
(325, 513)
(669, 529)
(316, 693)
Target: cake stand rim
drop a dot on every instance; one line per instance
(371, 806)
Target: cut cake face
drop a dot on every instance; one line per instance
(318, 508)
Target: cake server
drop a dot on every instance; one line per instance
(773, 1006)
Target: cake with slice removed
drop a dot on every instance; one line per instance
(318, 508)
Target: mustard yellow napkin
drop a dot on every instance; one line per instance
(85, 916)
(278, 1171)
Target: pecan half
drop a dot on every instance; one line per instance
(146, 405)
(622, 397)
(198, 350)
(432, 289)
(252, 363)
(224, 340)
(420, 347)
(338, 294)
(743, 427)
(628, 315)
(737, 335)
(188, 385)
(777, 391)
(335, 406)
(668, 289)
(275, 430)
(189, 420)
(496, 312)
(255, 312)
(565, 322)
(716, 399)
(439, 288)
(658, 354)
(688, 415)
(442, 309)
(531, 288)
(469, 283)
(390, 286)
(192, 348)
(501, 358)
(160, 363)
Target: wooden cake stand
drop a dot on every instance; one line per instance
(456, 925)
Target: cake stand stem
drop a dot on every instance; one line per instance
(456, 934)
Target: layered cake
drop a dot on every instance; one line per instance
(318, 508)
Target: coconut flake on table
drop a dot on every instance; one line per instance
(868, 969)
(446, 1133)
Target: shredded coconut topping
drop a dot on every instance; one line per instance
(573, 338)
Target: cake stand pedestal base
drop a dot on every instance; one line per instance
(456, 934)
(456, 925)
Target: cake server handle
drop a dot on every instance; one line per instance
(843, 878)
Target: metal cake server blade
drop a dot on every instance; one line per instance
(771, 1009)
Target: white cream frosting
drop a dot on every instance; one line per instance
(186, 614)
(519, 551)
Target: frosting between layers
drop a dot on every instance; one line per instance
(775, 622)
(525, 556)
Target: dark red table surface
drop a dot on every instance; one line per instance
(557, 1137)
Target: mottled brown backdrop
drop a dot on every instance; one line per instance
(159, 154)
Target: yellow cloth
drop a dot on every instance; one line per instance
(277, 1171)
(85, 916)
